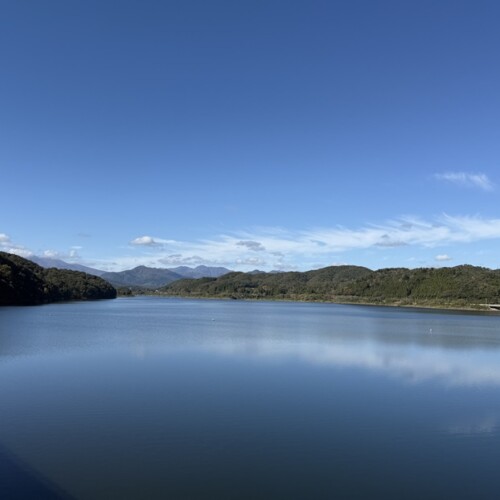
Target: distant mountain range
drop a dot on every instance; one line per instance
(61, 264)
(200, 271)
(151, 277)
(141, 276)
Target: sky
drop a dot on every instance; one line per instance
(272, 135)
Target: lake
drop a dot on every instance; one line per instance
(168, 398)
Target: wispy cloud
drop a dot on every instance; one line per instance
(182, 260)
(480, 181)
(277, 248)
(282, 249)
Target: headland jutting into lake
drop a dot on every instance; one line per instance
(460, 287)
(22, 282)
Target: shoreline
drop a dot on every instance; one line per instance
(473, 308)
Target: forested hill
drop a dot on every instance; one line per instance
(23, 282)
(461, 286)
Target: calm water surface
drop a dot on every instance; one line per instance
(169, 398)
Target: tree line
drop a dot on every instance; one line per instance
(460, 286)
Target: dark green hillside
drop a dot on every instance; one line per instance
(23, 282)
(461, 286)
(320, 284)
(20, 281)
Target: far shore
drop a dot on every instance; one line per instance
(472, 308)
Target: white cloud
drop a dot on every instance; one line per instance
(145, 241)
(442, 257)
(52, 254)
(480, 181)
(150, 241)
(7, 245)
(71, 255)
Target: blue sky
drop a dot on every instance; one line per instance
(251, 134)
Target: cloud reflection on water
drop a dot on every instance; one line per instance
(412, 363)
